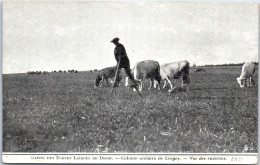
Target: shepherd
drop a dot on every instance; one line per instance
(122, 62)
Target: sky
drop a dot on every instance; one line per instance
(46, 35)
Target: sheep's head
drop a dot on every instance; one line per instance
(239, 80)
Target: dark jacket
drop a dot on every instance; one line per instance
(119, 52)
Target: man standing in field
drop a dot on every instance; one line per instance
(122, 59)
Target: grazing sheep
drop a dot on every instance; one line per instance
(148, 69)
(104, 74)
(248, 70)
(175, 70)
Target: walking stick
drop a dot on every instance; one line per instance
(138, 92)
(116, 75)
(117, 70)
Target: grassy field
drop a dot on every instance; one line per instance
(63, 113)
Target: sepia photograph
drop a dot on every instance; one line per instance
(140, 81)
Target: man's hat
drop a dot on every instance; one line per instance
(115, 40)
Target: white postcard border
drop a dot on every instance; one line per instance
(131, 158)
(231, 158)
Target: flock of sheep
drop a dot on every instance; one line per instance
(150, 69)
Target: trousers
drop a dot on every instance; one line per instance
(124, 63)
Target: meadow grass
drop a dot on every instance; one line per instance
(63, 112)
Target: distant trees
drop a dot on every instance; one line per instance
(46, 72)
(230, 64)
